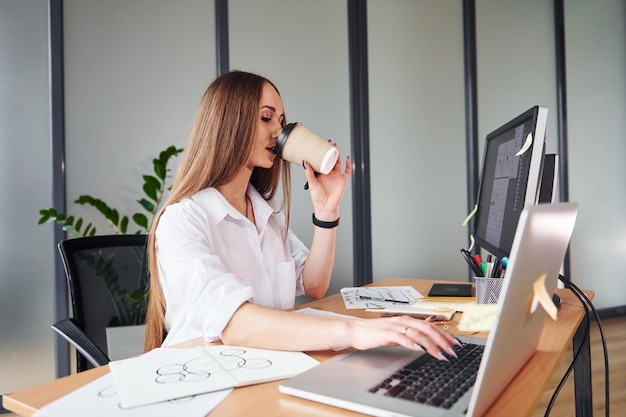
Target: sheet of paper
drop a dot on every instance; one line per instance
(99, 398)
(253, 366)
(166, 375)
(320, 313)
(378, 297)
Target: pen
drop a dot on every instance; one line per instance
(495, 270)
(472, 263)
(503, 264)
(365, 297)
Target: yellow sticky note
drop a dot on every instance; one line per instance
(469, 216)
(478, 317)
(541, 296)
(526, 145)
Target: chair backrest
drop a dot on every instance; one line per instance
(103, 274)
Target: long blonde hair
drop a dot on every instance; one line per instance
(219, 145)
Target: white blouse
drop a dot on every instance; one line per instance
(212, 259)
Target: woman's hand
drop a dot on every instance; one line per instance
(327, 190)
(406, 331)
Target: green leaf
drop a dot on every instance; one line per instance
(85, 199)
(159, 169)
(149, 206)
(114, 216)
(141, 220)
(167, 153)
(151, 191)
(136, 296)
(124, 224)
(88, 229)
(47, 216)
(129, 303)
(103, 208)
(149, 179)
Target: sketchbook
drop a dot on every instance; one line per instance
(176, 373)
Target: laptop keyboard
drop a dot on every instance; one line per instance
(430, 381)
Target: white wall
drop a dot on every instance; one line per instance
(26, 249)
(417, 138)
(302, 46)
(515, 63)
(596, 79)
(135, 72)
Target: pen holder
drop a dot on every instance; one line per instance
(488, 290)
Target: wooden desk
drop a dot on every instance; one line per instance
(518, 399)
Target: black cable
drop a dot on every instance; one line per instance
(604, 346)
(587, 304)
(574, 359)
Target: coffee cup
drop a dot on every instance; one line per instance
(296, 143)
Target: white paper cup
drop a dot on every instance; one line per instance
(296, 143)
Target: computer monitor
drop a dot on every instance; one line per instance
(510, 179)
(549, 178)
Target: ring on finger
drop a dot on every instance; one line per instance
(405, 330)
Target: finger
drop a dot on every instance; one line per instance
(308, 170)
(348, 170)
(443, 341)
(422, 341)
(428, 337)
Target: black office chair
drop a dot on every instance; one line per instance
(83, 344)
(107, 277)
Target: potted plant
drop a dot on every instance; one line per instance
(129, 304)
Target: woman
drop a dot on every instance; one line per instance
(224, 264)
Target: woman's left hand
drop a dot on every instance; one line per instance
(327, 190)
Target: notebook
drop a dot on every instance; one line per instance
(350, 380)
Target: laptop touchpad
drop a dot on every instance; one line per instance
(379, 358)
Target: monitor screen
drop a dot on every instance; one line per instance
(510, 179)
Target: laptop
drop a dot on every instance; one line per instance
(356, 380)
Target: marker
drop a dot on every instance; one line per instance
(472, 263)
(495, 268)
(503, 264)
(484, 266)
(364, 297)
